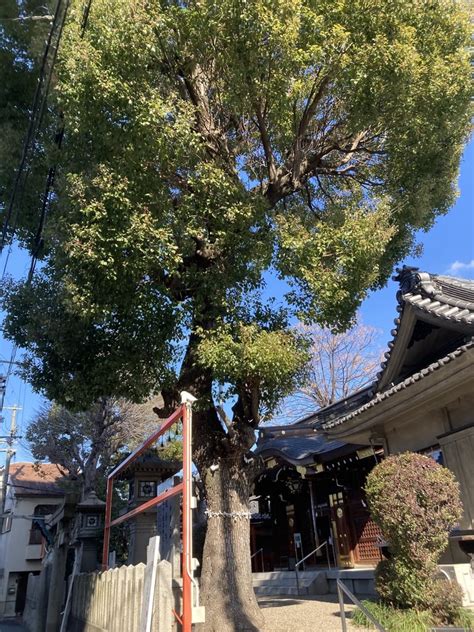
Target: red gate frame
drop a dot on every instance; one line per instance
(184, 413)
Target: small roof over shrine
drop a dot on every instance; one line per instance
(150, 462)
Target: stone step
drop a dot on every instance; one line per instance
(279, 582)
(271, 575)
(284, 582)
(279, 590)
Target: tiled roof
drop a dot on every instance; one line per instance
(341, 407)
(444, 298)
(37, 479)
(297, 449)
(416, 377)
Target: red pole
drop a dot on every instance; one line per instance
(187, 520)
(108, 516)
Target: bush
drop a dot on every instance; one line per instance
(444, 600)
(395, 620)
(391, 619)
(416, 502)
(398, 585)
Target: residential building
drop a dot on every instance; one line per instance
(33, 493)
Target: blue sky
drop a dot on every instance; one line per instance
(448, 249)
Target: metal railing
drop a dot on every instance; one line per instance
(341, 590)
(306, 557)
(260, 550)
(441, 571)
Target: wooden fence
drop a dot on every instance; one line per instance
(126, 599)
(132, 598)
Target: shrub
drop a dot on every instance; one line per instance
(398, 585)
(416, 502)
(444, 600)
(396, 620)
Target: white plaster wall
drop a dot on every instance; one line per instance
(419, 429)
(415, 433)
(13, 545)
(461, 409)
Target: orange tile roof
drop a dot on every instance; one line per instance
(37, 479)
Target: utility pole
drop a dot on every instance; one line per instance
(9, 453)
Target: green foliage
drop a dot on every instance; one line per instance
(402, 584)
(249, 358)
(171, 451)
(21, 48)
(416, 502)
(77, 357)
(209, 143)
(391, 619)
(394, 620)
(444, 600)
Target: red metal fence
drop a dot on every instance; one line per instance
(184, 414)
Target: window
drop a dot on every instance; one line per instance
(147, 489)
(7, 523)
(434, 452)
(37, 524)
(36, 537)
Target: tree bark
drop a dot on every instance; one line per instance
(226, 580)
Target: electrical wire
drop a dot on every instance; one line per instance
(39, 107)
(33, 125)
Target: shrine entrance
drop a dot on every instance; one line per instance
(300, 508)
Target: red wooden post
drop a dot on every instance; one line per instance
(108, 515)
(187, 519)
(183, 412)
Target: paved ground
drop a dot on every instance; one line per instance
(11, 625)
(311, 614)
(282, 614)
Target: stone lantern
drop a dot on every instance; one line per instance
(144, 476)
(90, 512)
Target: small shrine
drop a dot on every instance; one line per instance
(144, 476)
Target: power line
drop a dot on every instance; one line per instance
(35, 118)
(39, 106)
(38, 109)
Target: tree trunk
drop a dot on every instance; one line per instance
(226, 580)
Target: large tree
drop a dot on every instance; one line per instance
(210, 145)
(24, 28)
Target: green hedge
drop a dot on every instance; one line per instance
(416, 502)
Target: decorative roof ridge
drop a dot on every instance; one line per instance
(431, 368)
(412, 281)
(390, 344)
(410, 278)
